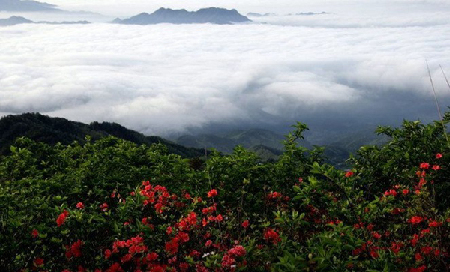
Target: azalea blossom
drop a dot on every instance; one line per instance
(34, 233)
(212, 193)
(80, 205)
(62, 218)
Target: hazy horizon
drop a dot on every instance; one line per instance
(361, 64)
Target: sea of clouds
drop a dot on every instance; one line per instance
(340, 69)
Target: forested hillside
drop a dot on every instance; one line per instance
(50, 130)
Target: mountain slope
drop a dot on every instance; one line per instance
(14, 20)
(26, 6)
(251, 139)
(53, 130)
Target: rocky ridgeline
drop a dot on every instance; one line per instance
(207, 15)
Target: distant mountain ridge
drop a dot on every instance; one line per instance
(267, 144)
(26, 6)
(206, 15)
(17, 20)
(50, 130)
(14, 20)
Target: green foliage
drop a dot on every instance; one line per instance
(398, 160)
(84, 205)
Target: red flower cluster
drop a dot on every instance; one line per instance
(396, 247)
(212, 193)
(80, 205)
(210, 210)
(62, 218)
(158, 195)
(390, 193)
(434, 223)
(74, 249)
(229, 258)
(104, 207)
(186, 223)
(274, 195)
(272, 236)
(415, 220)
(418, 269)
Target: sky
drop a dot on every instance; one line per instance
(121, 7)
(360, 64)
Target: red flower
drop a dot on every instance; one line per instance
(405, 191)
(38, 261)
(151, 257)
(237, 251)
(436, 167)
(208, 243)
(126, 258)
(74, 250)
(438, 155)
(416, 220)
(274, 195)
(272, 236)
(245, 224)
(434, 223)
(418, 257)
(107, 254)
(35, 233)
(418, 269)
(422, 232)
(376, 235)
(104, 207)
(169, 230)
(424, 165)
(172, 246)
(395, 247)
(390, 192)
(80, 205)
(62, 218)
(374, 252)
(426, 250)
(212, 193)
(349, 174)
(183, 237)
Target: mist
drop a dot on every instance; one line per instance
(335, 71)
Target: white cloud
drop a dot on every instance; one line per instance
(167, 78)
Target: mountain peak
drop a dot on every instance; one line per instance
(212, 15)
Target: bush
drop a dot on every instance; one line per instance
(80, 208)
